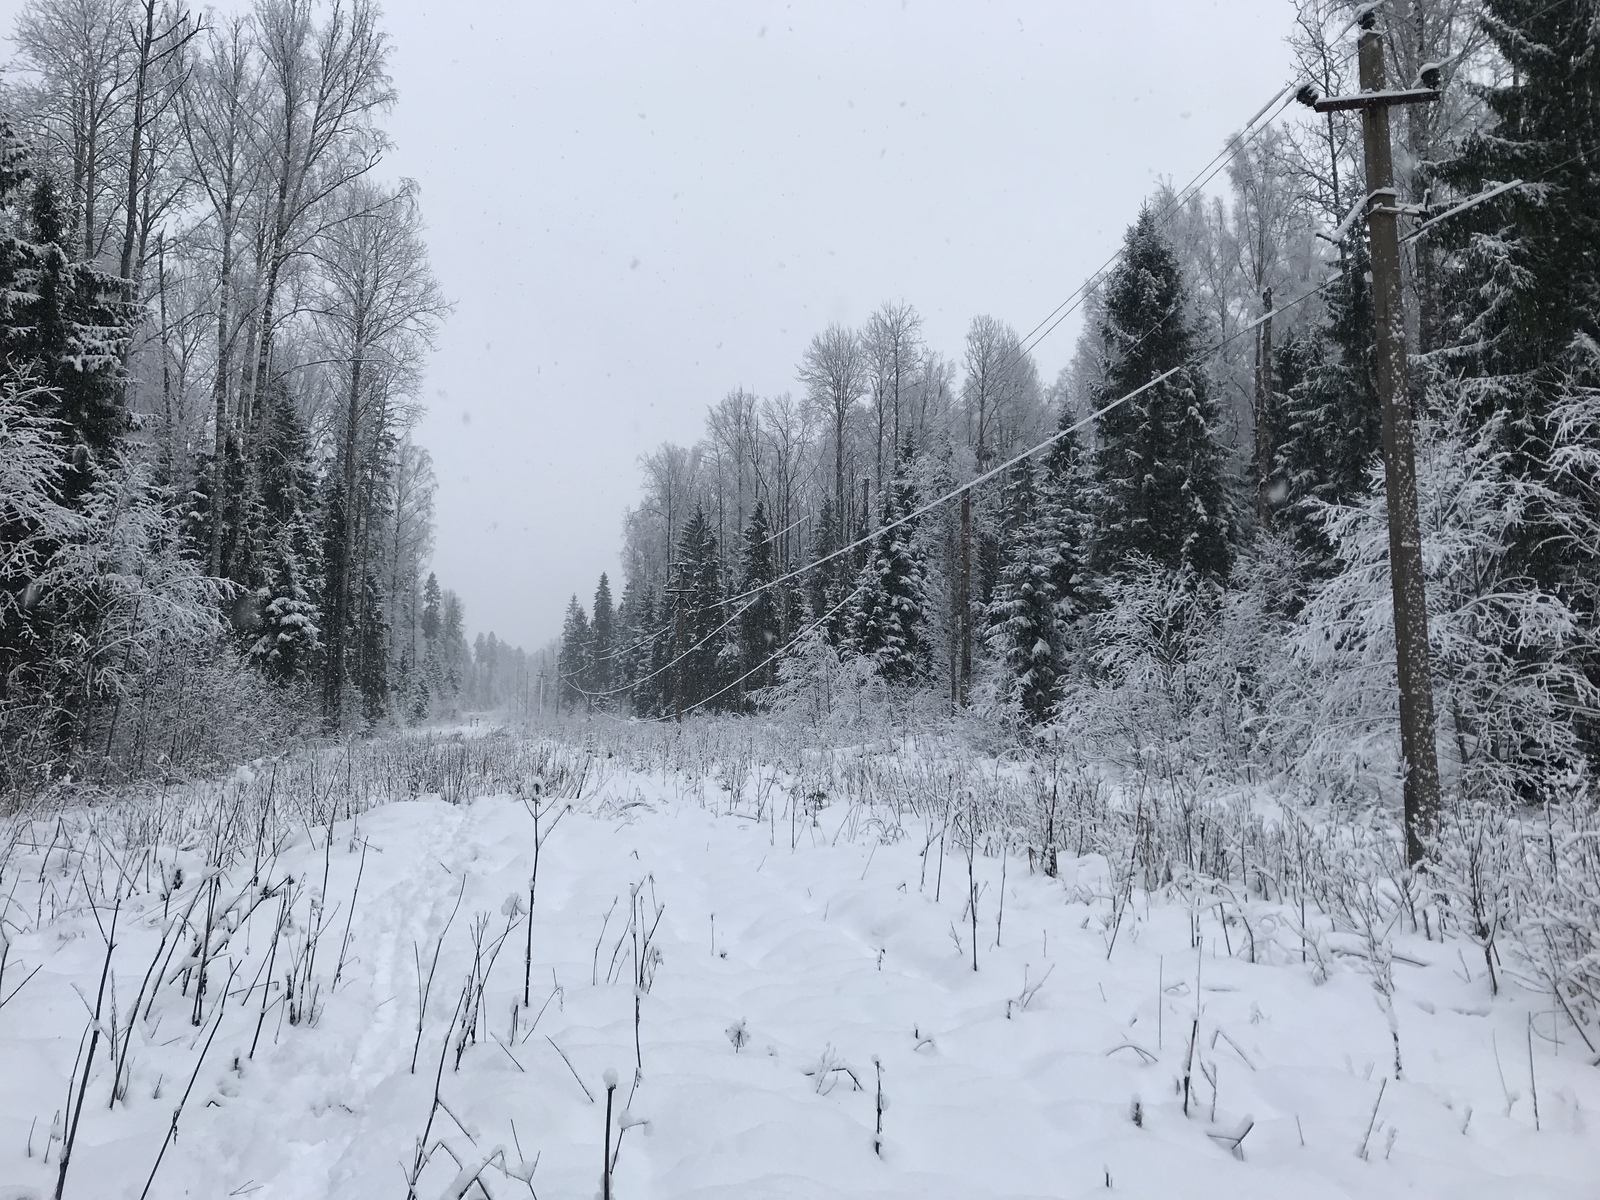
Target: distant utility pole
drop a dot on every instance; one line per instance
(1417, 748)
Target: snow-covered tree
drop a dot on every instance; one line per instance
(573, 662)
(889, 616)
(1508, 653)
(698, 633)
(602, 644)
(1040, 594)
(1158, 468)
(1023, 626)
(758, 618)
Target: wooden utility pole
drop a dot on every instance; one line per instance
(1266, 418)
(964, 687)
(1417, 749)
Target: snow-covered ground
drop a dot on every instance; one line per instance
(835, 950)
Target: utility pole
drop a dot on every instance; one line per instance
(965, 686)
(1266, 418)
(1417, 749)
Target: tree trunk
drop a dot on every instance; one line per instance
(136, 150)
(339, 568)
(1266, 433)
(219, 396)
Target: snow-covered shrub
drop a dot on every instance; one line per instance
(1526, 888)
(112, 599)
(1506, 653)
(808, 681)
(31, 513)
(1182, 668)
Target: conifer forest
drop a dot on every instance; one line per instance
(1242, 613)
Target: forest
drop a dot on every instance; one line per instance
(215, 311)
(1180, 542)
(1007, 785)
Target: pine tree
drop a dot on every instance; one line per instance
(573, 660)
(1159, 470)
(890, 615)
(759, 621)
(602, 644)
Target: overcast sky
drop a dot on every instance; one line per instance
(638, 207)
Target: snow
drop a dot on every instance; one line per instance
(796, 957)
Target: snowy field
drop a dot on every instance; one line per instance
(770, 973)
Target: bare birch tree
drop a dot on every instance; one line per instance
(377, 310)
(834, 371)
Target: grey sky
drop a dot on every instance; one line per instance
(637, 207)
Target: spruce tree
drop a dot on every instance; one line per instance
(371, 673)
(65, 323)
(759, 620)
(602, 643)
(655, 689)
(452, 648)
(430, 608)
(1522, 273)
(288, 633)
(643, 635)
(1158, 471)
(631, 615)
(1063, 521)
(824, 589)
(288, 637)
(1022, 613)
(890, 615)
(572, 662)
(1040, 590)
(63, 332)
(696, 617)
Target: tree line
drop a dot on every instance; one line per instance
(1214, 549)
(215, 524)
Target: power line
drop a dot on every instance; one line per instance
(1026, 454)
(1252, 128)
(749, 597)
